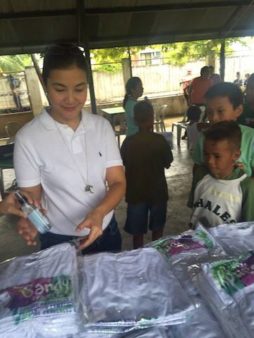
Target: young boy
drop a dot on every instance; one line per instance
(224, 102)
(221, 192)
(145, 155)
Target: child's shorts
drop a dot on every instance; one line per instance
(142, 215)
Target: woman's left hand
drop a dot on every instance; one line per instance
(93, 221)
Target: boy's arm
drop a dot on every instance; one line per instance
(168, 155)
(247, 186)
(123, 150)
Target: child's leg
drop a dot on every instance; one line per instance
(138, 241)
(157, 221)
(156, 234)
(136, 223)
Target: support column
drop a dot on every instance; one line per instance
(222, 60)
(90, 81)
(35, 90)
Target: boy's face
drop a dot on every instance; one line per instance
(221, 109)
(220, 157)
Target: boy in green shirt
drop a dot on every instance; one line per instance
(221, 192)
(224, 102)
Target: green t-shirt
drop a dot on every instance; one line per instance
(247, 186)
(247, 150)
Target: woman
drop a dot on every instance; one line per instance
(69, 159)
(134, 89)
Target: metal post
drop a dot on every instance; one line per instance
(222, 59)
(90, 81)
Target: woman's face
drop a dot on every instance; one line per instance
(138, 91)
(67, 93)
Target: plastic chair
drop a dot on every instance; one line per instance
(120, 128)
(181, 125)
(159, 125)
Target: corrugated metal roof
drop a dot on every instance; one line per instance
(29, 25)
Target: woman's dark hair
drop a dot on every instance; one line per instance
(62, 56)
(226, 89)
(224, 130)
(143, 110)
(131, 84)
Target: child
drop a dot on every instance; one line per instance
(193, 115)
(247, 117)
(221, 193)
(145, 155)
(224, 102)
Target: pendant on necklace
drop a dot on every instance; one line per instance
(89, 188)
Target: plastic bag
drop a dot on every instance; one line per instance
(133, 289)
(38, 293)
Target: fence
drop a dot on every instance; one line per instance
(160, 79)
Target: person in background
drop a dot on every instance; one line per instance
(238, 81)
(199, 87)
(246, 78)
(134, 90)
(247, 116)
(185, 83)
(221, 192)
(145, 156)
(69, 160)
(213, 76)
(193, 115)
(225, 103)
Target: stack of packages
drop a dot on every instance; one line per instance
(39, 294)
(197, 284)
(228, 285)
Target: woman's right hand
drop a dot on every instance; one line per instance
(27, 231)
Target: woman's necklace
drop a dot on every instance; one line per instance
(85, 178)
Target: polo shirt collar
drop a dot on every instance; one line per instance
(48, 122)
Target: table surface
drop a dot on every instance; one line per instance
(114, 110)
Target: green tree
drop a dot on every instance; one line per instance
(182, 52)
(109, 59)
(14, 63)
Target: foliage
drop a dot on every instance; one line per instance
(109, 60)
(14, 63)
(182, 52)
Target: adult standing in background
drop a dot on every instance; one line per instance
(133, 90)
(68, 159)
(198, 88)
(238, 81)
(214, 76)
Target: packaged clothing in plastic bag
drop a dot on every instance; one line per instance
(133, 289)
(189, 247)
(38, 293)
(236, 239)
(201, 323)
(228, 286)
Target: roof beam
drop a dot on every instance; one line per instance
(127, 9)
(167, 7)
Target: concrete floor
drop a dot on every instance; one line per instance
(178, 178)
